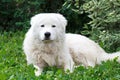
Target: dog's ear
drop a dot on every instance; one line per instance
(32, 21)
(62, 19)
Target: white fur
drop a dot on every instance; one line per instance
(86, 52)
(52, 52)
(62, 50)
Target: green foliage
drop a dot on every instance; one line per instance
(15, 14)
(105, 15)
(108, 40)
(13, 64)
(76, 16)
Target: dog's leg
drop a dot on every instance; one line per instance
(38, 70)
(69, 65)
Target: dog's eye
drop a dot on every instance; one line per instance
(53, 26)
(42, 26)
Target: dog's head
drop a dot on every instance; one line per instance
(48, 26)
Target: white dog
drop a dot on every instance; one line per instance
(47, 44)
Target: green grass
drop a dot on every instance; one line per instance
(13, 64)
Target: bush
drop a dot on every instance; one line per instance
(105, 15)
(16, 14)
(76, 16)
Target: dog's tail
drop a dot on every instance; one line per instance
(111, 56)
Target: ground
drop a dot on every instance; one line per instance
(13, 65)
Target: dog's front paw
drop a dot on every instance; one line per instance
(38, 73)
(38, 70)
(69, 68)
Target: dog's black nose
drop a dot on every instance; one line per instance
(47, 34)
